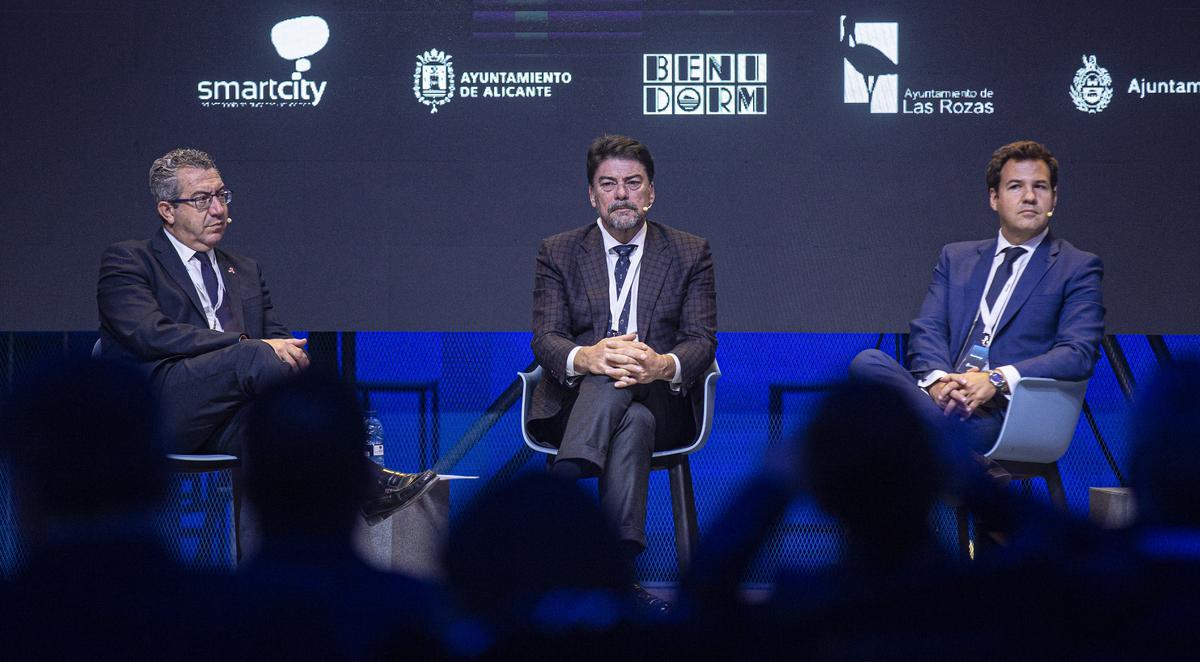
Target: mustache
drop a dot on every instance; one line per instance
(620, 204)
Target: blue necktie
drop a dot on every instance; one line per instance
(622, 269)
(210, 284)
(999, 280)
(1011, 255)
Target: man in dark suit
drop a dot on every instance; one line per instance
(624, 324)
(196, 320)
(1023, 304)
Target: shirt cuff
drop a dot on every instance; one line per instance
(676, 381)
(930, 378)
(571, 372)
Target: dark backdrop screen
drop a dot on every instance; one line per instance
(825, 158)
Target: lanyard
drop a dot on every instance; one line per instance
(616, 301)
(991, 317)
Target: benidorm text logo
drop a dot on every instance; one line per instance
(870, 64)
(295, 39)
(704, 84)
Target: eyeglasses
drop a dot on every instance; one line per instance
(609, 185)
(201, 201)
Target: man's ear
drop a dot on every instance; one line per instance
(592, 198)
(992, 198)
(167, 211)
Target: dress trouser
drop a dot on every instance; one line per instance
(617, 429)
(979, 431)
(203, 399)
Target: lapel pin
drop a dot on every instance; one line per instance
(231, 270)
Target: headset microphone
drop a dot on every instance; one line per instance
(228, 220)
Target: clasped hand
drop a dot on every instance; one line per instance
(290, 351)
(962, 393)
(626, 360)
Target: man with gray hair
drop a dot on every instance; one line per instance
(199, 322)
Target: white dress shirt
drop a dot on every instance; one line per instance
(193, 269)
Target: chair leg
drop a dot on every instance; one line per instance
(683, 510)
(964, 531)
(1058, 496)
(235, 475)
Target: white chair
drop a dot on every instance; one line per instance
(1037, 430)
(675, 460)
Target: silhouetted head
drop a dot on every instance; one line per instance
(306, 472)
(871, 462)
(81, 441)
(1166, 456)
(527, 538)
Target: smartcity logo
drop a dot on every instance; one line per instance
(870, 59)
(433, 81)
(1092, 89)
(294, 39)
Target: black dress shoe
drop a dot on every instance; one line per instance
(378, 509)
(647, 601)
(394, 481)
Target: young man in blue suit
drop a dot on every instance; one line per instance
(1022, 304)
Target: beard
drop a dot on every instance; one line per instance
(624, 222)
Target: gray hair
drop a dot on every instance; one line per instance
(164, 182)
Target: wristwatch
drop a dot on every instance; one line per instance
(997, 379)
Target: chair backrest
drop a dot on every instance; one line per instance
(1041, 420)
(529, 381)
(96, 349)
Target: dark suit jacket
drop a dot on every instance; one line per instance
(150, 313)
(676, 306)
(1051, 327)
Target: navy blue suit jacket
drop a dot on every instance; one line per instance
(150, 313)
(1051, 327)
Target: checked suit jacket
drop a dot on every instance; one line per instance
(150, 314)
(676, 306)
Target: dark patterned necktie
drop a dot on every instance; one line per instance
(1003, 274)
(210, 284)
(623, 252)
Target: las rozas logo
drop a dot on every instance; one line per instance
(295, 39)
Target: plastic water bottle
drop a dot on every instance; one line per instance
(374, 448)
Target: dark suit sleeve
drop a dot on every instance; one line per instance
(929, 333)
(130, 312)
(1080, 328)
(696, 339)
(552, 339)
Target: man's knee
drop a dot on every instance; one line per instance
(869, 365)
(638, 425)
(600, 390)
(258, 366)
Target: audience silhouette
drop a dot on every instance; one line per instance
(534, 571)
(308, 592)
(88, 472)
